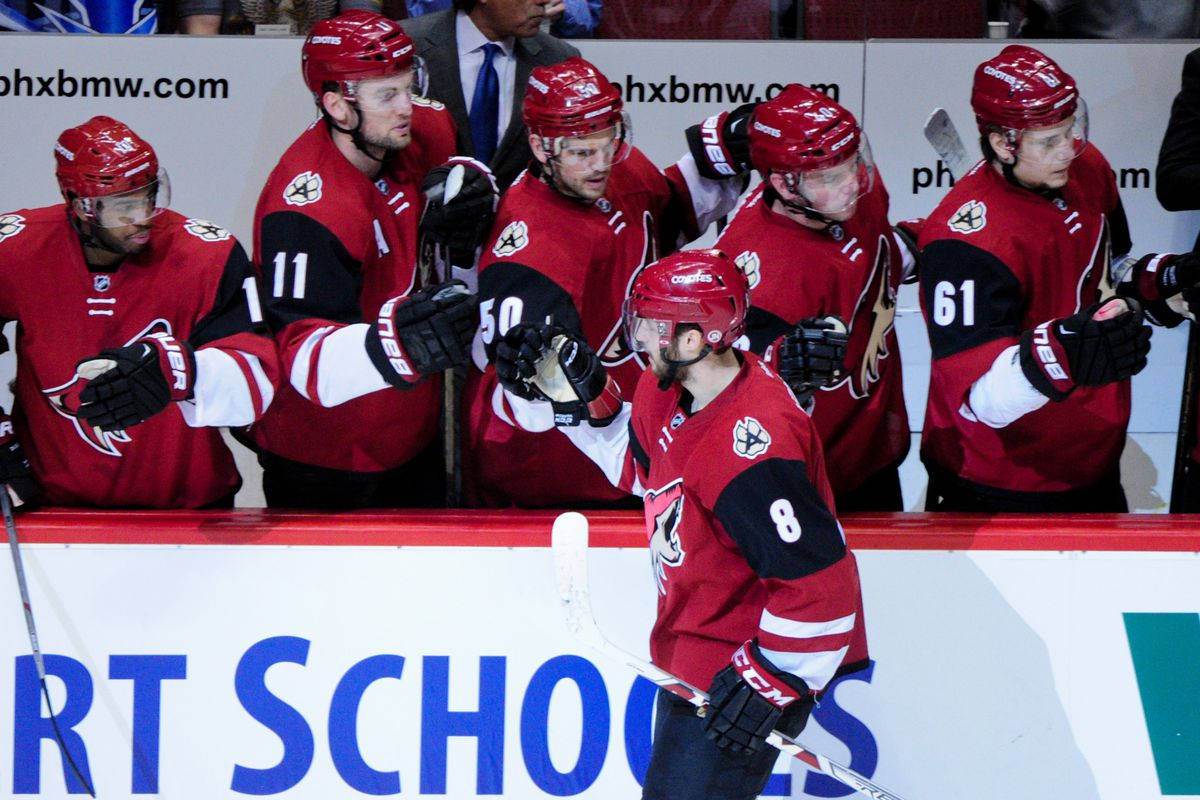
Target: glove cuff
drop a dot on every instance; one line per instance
(771, 684)
(1044, 362)
(177, 361)
(707, 145)
(385, 350)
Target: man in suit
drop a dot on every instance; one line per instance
(479, 55)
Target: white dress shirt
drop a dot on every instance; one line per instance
(470, 58)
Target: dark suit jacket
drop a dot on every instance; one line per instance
(433, 35)
(1178, 178)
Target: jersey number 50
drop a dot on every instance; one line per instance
(509, 314)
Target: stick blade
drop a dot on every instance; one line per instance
(569, 542)
(944, 139)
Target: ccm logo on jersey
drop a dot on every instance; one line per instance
(1045, 353)
(11, 225)
(970, 217)
(748, 672)
(387, 337)
(712, 145)
(305, 188)
(750, 438)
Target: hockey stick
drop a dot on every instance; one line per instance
(569, 542)
(944, 139)
(1185, 440)
(10, 527)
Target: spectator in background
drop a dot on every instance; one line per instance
(479, 55)
(84, 16)
(1111, 19)
(138, 333)
(1178, 188)
(210, 17)
(569, 19)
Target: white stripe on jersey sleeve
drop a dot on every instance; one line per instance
(1003, 394)
(344, 370)
(265, 390)
(221, 396)
(298, 375)
(534, 416)
(795, 629)
(815, 669)
(711, 199)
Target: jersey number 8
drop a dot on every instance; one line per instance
(784, 517)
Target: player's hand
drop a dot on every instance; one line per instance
(424, 333)
(750, 698)
(15, 471)
(1166, 284)
(721, 144)
(813, 355)
(1103, 344)
(555, 9)
(128, 385)
(549, 362)
(460, 203)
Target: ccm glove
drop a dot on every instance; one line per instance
(460, 203)
(750, 698)
(15, 470)
(721, 144)
(547, 362)
(128, 385)
(812, 355)
(424, 333)
(1105, 343)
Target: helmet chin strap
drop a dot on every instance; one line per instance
(547, 174)
(356, 136)
(673, 366)
(86, 238)
(797, 208)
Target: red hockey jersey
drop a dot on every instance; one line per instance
(333, 245)
(552, 258)
(852, 269)
(743, 535)
(997, 260)
(194, 282)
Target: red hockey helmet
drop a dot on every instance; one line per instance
(352, 47)
(104, 158)
(703, 287)
(811, 140)
(1022, 88)
(573, 99)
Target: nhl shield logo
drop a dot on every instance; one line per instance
(208, 231)
(11, 225)
(305, 188)
(603, 204)
(747, 261)
(750, 438)
(101, 283)
(970, 217)
(514, 237)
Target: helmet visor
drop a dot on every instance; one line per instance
(1055, 145)
(599, 150)
(644, 335)
(135, 207)
(835, 191)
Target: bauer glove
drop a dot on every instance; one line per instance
(128, 385)
(1102, 344)
(813, 355)
(460, 203)
(15, 470)
(721, 144)
(424, 333)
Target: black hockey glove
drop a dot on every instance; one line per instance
(1105, 343)
(1156, 278)
(721, 144)
(460, 203)
(15, 470)
(424, 333)
(547, 362)
(750, 698)
(128, 385)
(813, 355)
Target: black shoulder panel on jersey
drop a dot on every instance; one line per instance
(538, 299)
(230, 313)
(971, 297)
(640, 456)
(779, 522)
(1118, 229)
(763, 327)
(319, 276)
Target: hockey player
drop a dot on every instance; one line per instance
(758, 596)
(815, 243)
(138, 333)
(1029, 386)
(569, 237)
(362, 343)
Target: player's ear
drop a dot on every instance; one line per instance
(535, 146)
(1000, 147)
(778, 184)
(337, 107)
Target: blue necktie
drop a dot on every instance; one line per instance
(485, 106)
